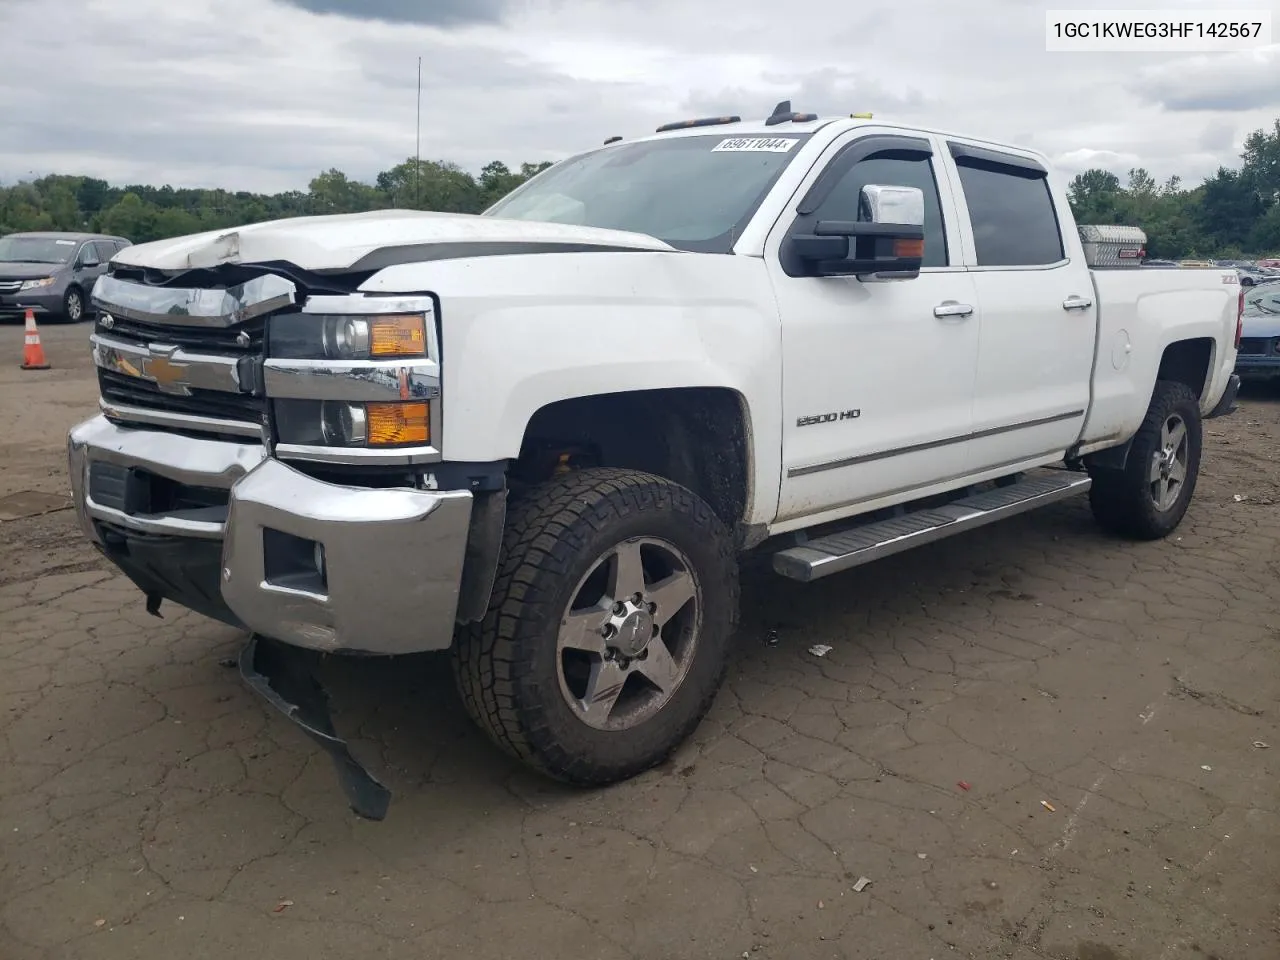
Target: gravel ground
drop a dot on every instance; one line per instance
(1035, 741)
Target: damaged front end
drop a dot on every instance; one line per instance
(263, 458)
(287, 678)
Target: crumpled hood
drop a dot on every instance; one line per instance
(341, 241)
(28, 271)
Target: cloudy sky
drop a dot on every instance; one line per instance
(263, 94)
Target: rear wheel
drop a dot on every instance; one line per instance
(1149, 497)
(607, 634)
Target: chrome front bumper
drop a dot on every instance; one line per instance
(392, 559)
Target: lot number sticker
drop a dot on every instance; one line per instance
(754, 145)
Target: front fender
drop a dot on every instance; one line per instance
(521, 332)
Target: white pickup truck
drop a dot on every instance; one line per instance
(543, 437)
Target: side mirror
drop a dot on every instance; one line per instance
(886, 242)
(89, 260)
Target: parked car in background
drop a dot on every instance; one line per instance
(52, 274)
(1250, 275)
(1259, 354)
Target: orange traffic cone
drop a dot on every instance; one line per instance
(32, 352)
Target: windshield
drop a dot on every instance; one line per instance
(695, 193)
(1266, 301)
(35, 250)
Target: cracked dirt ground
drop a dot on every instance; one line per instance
(152, 807)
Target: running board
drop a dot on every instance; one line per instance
(837, 552)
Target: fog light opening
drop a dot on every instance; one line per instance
(294, 563)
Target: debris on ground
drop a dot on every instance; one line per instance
(282, 906)
(963, 785)
(861, 884)
(99, 922)
(1261, 744)
(820, 649)
(772, 639)
(1048, 806)
(1205, 766)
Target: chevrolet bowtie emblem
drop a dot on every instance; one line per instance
(170, 377)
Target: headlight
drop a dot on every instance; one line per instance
(310, 336)
(36, 284)
(343, 423)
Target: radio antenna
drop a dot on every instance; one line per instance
(417, 156)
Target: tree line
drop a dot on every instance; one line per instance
(1233, 214)
(142, 213)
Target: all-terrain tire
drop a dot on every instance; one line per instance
(1122, 500)
(506, 665)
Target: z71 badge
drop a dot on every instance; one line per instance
(828, 418)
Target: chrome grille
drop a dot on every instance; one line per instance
(245, 339)
(188, 359)
(120, 389)
(10, 286)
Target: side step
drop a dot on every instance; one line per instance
(837, 552)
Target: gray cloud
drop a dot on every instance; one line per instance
(442, 13)
(1248, 80)
(1217, 136)
(262, 94)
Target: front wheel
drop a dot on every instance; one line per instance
(1149, 497)
(73, 305)
(608, 630)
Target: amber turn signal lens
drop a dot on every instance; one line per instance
(392, 424)
(398, 335)
(908, 248)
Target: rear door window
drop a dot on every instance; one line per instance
(1011, 209)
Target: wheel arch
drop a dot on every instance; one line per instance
(1188, 361)
(699, 437)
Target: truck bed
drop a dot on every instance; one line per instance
(1140, 312)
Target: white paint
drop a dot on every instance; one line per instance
(526, 330)
(336, 242)
(1069, 831)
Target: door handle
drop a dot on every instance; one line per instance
(1077, 303)
(951, 308)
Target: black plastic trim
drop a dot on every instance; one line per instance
(930, 444)
(1227, 405)
(484, 547)
(423, 252)
(968, 155)
(855, 152)
(184, 570)
(287, 678)
(804, 225)
(476, 476)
